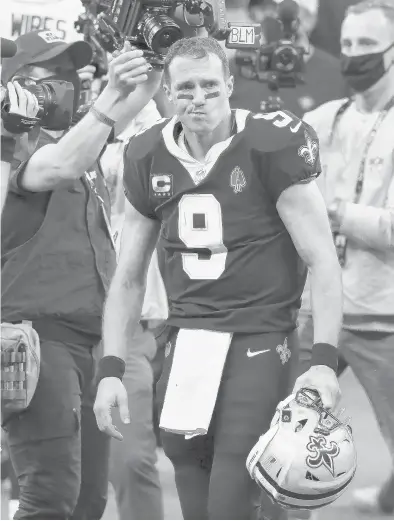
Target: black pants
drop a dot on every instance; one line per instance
(210, 471)
(59, 455)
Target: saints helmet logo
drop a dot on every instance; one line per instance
(322, 453)
(310, 150)
(284, 352)
(237, 180)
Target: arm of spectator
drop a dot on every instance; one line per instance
(129, 89)
(369, 226)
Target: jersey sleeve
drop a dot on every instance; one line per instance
(136, 182)
(297, 162)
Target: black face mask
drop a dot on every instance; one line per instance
(362, 72)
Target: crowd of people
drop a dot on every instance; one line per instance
(175, 231)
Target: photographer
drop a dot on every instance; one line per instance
(22, 104)
(322, 78)
(58, 260)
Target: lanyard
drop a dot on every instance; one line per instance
(370, 139)
(341, 240)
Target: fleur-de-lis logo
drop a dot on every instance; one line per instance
(322, 453)
(237, 180)
(310, 150)
(284, 352)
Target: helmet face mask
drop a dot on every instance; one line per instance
(307, 458)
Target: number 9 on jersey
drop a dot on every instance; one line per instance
(200, 227)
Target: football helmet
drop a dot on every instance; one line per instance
(307, 458)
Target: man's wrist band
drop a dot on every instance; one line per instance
(7, 149)
(102, 117)
(111, 367)
(325, 354)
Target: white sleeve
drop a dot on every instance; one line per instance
(369, 226)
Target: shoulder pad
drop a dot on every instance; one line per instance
(145, 142)
(271, 131)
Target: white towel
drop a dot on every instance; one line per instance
(194, 381)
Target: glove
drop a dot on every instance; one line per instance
(18, 116)
(17, 124)
(20, 365)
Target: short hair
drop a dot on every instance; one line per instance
(387, 6)
(196, 47)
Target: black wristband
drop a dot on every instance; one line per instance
(325, 354)
(7, 149)
(111, 367)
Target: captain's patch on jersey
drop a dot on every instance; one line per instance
(162, 185)
(310, 150)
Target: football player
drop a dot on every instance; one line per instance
(241, 221)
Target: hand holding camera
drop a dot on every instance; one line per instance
(151, 25)
(127, 70)
(18, 115)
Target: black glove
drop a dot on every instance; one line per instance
(17, 124)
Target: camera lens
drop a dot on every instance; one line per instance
(160, 32)
(44, 97)
(285, 59)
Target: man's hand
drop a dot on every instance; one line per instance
(23, 107)
(127, 70)
(324, 380)
(111, 393)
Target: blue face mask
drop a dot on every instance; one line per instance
(364, 71)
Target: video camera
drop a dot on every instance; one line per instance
(279, 62)
(55, 100)
(151, 25)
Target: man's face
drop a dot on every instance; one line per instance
(47, 69)
(366, 33)
(29, 75)
(199, 91)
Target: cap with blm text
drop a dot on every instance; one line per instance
(40, 46)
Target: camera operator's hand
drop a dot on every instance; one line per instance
(87, 73)
(127, 70)
(19, 117)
